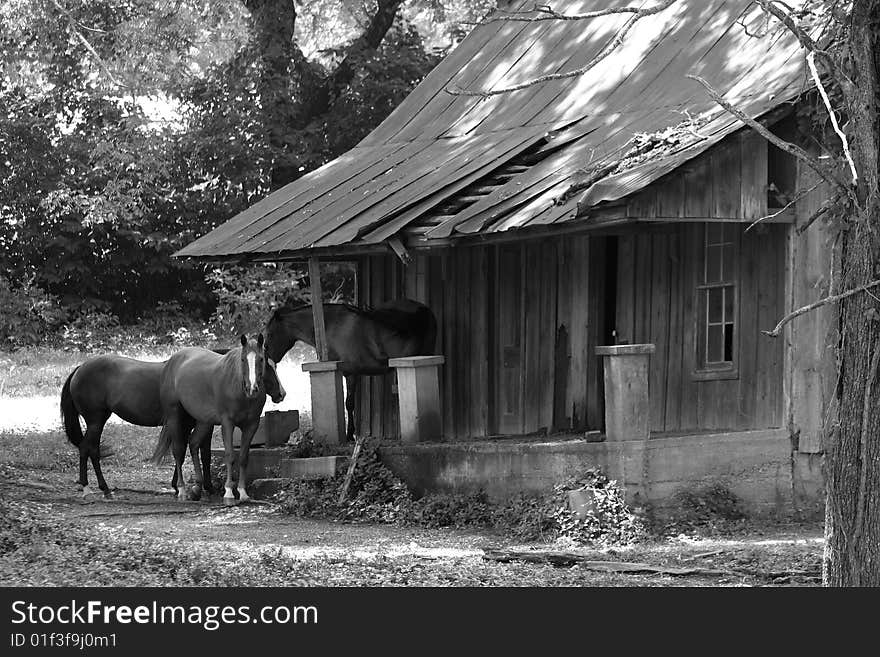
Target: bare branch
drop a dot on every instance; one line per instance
(783, 208)
(611, 47)
(811, 60)
(784, 17)
(822, 209)
(73, 25)
(547, 13)
(792, 149)
(817, 304)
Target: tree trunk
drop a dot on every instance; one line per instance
(852, 515)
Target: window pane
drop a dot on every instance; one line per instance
(716, 304)
(728, 342)
(714, 233)
(713, 264)
(701, 326)
(715, 346)
(729, 296)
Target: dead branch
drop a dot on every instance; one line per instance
(611, 47)
(811, 61)
(783, 208)
(73, 27)
(805, 39)
(792, 149)
(547, 13)
(563, 559)
(822, 209)
(816, 304)
(351, 466)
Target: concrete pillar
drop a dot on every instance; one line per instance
(418, 397)
(328, 401)
(627, 406)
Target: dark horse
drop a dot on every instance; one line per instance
(130, 388)
(363, 339)
(229, 390)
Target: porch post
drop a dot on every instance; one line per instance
(418, 396)
(627, 405)
(325, 376)
(328, 402)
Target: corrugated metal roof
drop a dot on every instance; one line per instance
(435, 149)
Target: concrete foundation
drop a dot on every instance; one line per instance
(757, 466)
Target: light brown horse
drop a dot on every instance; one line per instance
(108, 384)
(228, 390)
(363, 339)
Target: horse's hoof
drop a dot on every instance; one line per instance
(86, 492)
(108, 494)
(230, 501)
(195, 492)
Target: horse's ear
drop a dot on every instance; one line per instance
(243, 340)
(260, 339)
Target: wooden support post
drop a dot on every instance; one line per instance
(418, 395)
(328, 401)
(627, 405)
(318, 308)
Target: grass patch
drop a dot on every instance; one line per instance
(37, 548)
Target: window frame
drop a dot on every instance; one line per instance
(705, 370)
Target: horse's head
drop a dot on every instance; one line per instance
(285, 328)
(273, 385)
(253, 365)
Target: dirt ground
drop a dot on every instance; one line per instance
(258, 544)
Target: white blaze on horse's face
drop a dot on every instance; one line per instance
(252, 373)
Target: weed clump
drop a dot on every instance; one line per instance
(377, 495)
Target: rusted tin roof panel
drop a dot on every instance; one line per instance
(437, 147)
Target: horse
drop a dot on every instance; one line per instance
(108, 384)
(362, 338)
(210, 388)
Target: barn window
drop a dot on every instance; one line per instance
(717, 302)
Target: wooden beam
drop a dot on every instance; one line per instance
(318, 308)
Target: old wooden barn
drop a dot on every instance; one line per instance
(618, 207)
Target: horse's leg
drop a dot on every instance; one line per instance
(226, 429)
(91, 446)
(183, 423)
(247, 434)
(351, 389)
(205, 449)
(197, 437)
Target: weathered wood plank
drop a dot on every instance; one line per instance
(659, 329)
(624, 326)
(674, 379)
(726, 178)
(753, 166)
(595, 290)
(690, 388)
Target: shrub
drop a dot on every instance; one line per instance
(91, 330)
(29, 314)
(247, 295)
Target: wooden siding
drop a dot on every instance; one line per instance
(728, 181)
(517, 323)
(656, 300)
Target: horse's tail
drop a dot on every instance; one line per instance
(163, 444)
(69, 414)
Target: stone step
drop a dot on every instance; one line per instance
(265, 488)
(316, 467)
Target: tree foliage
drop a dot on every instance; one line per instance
(130, 127)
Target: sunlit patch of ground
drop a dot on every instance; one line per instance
(31, 388)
